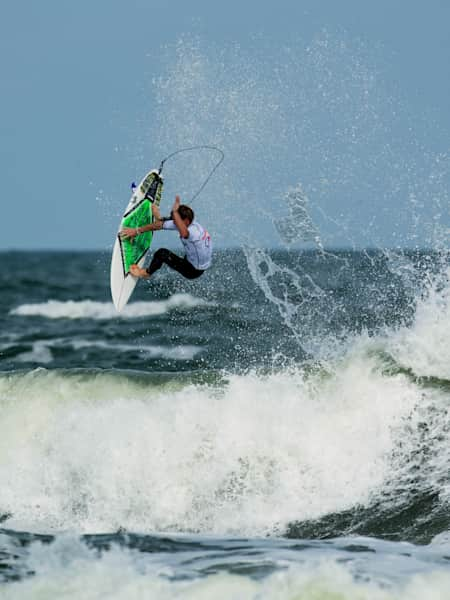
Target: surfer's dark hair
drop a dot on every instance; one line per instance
(186, 212)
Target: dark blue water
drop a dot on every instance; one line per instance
(56, 311)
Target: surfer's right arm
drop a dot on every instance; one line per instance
(132, 232)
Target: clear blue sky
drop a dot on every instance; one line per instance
(95, 93)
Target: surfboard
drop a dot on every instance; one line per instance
(128, 252)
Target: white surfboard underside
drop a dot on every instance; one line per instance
(121, 286)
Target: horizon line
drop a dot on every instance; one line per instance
(224, 248)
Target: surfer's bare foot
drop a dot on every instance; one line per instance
(138, 272)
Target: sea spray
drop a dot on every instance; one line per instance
(424, 345)
(317, 115)
(319, 154)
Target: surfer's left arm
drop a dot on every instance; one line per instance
(180, 223)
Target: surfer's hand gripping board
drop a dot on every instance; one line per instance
(129, 233)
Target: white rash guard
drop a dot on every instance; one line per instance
(198, 245)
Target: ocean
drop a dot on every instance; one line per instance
(278, 428)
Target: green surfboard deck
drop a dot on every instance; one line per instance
(133, 250)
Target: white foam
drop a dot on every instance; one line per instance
(67, 568)
(424, 346)
(97, 454)
(40, 353)
(180, 352)
(89, 309)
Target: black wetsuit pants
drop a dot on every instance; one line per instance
(182, 265)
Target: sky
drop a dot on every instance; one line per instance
(94, 93)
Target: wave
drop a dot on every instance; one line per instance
(248, 455)
(345, 445)
(42, 351)
(89, 309)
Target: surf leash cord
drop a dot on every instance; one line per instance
(188, 149)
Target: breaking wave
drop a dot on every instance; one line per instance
(88, 309)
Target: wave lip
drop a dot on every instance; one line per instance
(90, 309)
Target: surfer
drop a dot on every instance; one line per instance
(195, 239)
